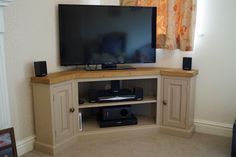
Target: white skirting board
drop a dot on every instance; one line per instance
(202, 126)
(26, 145)
(213, 128)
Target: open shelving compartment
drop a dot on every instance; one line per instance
(145, 110)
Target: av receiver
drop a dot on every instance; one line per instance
(117, 116)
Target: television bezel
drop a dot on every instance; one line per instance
(154, 12)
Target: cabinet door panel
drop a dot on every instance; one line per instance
(62, 117)
(175, 102)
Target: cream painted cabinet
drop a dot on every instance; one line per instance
(177, 103)
(63, 111)
(56, 116)
(168, 103)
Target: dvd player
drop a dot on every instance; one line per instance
(118, 122)
(121, 95)
(116, 98)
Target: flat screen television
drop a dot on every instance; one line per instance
(106, 35)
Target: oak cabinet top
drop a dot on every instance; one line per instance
(58, 77)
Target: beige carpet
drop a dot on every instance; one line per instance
(145, 144)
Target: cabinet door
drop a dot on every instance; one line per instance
(63, 107)
(175, 102)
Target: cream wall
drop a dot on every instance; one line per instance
(215, 57)
(31, 34)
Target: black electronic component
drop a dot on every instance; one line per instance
(116, 112)
(40, 68)
(118, 122)
(117, 116)
(110, 95)
(187, 63)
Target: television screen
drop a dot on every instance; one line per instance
(91, 34)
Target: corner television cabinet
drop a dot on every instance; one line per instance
(168, 103)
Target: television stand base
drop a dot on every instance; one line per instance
(107, 67)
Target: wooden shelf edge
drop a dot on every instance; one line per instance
(179, 72)
(63, 76)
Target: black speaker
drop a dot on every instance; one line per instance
(40, 68)
(138, 92)
(116, 112)
(187, 63)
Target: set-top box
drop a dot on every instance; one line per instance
(110, 96)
